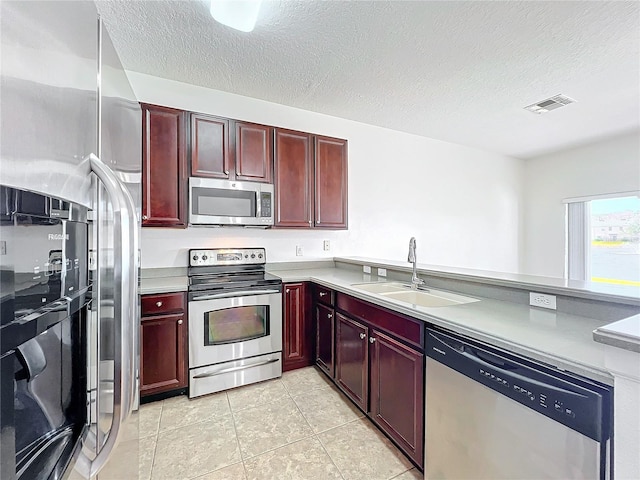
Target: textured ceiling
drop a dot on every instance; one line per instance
(455, 71)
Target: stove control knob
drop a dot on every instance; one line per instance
(195, 258)
(253, 255)
(259, 255)
(246, 256)
(204, 257)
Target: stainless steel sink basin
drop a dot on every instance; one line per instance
(402, 292)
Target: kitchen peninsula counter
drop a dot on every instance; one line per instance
(502, 317)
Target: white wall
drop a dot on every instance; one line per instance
(604, 167)
(463, 205)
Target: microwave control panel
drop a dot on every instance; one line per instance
(265, 204)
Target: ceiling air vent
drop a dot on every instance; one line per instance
(549, 104)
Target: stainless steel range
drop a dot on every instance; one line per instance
(235, 320)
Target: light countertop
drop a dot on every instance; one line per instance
(555, 338)
(624, 333)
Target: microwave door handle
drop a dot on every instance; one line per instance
(125, 309)
(234, 294)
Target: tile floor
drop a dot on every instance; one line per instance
(296, 427)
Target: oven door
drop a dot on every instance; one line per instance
(234, 325)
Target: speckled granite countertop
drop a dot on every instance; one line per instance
(163, 280)
(558, 339)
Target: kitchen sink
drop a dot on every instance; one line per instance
(425, 297)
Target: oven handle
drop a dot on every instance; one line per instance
(234, 294)
(213, 373)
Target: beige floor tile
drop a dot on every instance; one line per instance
(326, 408)
(180, 411)
(256, 395)
(131, 459)
(269, 426)
(413, 474)
(304, 380)
(149, 419)
(232, 472)
(361, 452)
(196, 449)
(302, 460)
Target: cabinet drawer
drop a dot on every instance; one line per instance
(404, 328)
(324, 295)
(162, 303)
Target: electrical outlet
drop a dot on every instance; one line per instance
(326, 245)
(382, 272)
(298, 250)
(366, 269)
(542, 300)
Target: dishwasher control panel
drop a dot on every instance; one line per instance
(578, 403)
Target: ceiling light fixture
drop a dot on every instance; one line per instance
(238, 14)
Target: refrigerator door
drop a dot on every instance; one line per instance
(49, 99)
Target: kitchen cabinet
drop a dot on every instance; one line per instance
(230, 149)
(210, 146)
(379, 365)
(330, 183)
(325, 329)
(310, 181)
(164, 167)
(298, 341)
(163, 343)
(293, 172)
(396, 375)
(352, 359)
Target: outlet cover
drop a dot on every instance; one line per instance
(382, 272)
(326, 245)
(542, 300)
(299, 252)
(366, 269)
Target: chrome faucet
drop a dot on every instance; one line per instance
(415, 281)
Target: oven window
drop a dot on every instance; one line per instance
(236, 324)
(224, 203)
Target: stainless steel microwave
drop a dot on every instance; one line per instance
(226, 202)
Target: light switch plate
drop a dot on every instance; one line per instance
(366, 269)
(382, 272)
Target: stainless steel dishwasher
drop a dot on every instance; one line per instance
(494, 415)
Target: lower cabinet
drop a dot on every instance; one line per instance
(379, 365)
(163, 343)
(324, 338)
(298, 340)
(352, 358)
(396, 404)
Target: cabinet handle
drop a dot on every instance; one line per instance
(144, 217)
(310, 222)
(158, 304)
(362, 335)
(322, 294)
(180, 322)
(287, 290)
(371, 339)
(330, 315)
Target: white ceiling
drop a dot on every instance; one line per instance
(455, 71)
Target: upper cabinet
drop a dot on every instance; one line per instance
(164, 167)
(254, 152)
(310, 181)
(293, 179)
(331, 183)
(232, 150)
(210, 146)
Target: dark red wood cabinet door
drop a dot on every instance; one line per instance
(352, 359)
(164, 167)
(293, 171)
(297, 342)
(397, 396)
(210, 146)
(330, 183)
(163, 365)
(325, 339)
(254, 152)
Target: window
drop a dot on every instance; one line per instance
(603, 239)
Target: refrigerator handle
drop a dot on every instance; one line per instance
(125, 303)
